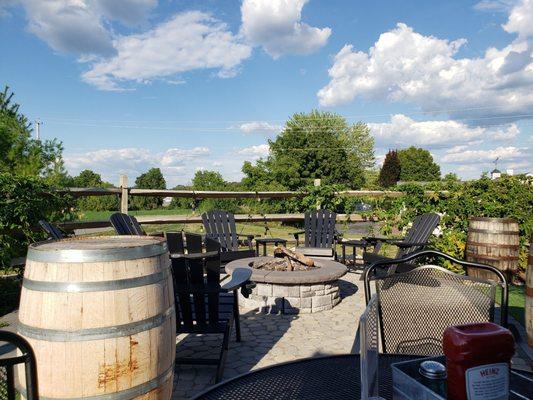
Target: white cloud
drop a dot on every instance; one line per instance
(71, 26)
(507, 154)
(276, 26)
(129, 12)
(188, 41)
(521, 19)
(176, 164)
(494, 5)
(435, 134)
(259, 126)
(255, 152)
(406, 66)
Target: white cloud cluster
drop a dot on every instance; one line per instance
(178, 165)
(404, 65)
(255, 152)
(188, 41)
(402, 130)
(464, 156)
(259, 126)
(277, 26)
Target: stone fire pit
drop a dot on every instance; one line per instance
(292, 292)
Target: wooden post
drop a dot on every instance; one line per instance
(124, 194)
(317, 183)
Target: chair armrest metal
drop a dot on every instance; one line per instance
(239, 278)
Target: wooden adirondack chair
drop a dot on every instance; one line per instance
(416, 239)
(320, 234)
(203, 305)
(220, 225)
(53, 231)
(125, 224)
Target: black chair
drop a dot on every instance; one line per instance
(416, 239)
(7, 367)
(125, 224)
(415, 307)
(203, 305)
(53, 231)
(220, 225)
(320, 234)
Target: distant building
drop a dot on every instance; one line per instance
(495, 174)
(509, 172)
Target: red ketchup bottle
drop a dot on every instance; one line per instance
(477, 361)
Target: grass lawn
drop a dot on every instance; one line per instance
(103, 215)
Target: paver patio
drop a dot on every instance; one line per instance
(272, 339)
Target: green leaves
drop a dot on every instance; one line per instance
(23, 202)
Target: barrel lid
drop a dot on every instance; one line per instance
(489, 219)
(97, 249)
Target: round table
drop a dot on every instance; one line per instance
(330, 377)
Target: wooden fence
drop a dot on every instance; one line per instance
(124, 192)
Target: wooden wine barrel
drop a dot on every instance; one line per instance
(99, 314)
(493, 241)
(529, 296)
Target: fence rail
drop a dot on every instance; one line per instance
(196, 219)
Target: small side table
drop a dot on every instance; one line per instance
(265, 241)
(354, 244)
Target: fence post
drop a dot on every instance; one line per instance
(124, 194)
(317, 183)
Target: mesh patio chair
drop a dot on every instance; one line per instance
(9, 361)
(203, 305)
(416, 306)
(320, 235)
(52, 230)
(220, 226)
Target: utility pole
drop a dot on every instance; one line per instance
(38, 123)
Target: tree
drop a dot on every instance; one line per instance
(391, 170)
(88, 178)
(23, 155)
(315, 145)
(417, 165)
(212, 180)
(152, 179)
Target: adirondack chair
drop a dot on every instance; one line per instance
(125, 224)
(203, 305)
(220, 225)
(320, 234)
(53, 231)
(416, 239)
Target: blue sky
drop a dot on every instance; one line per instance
(131, 84)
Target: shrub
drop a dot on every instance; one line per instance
(23, 202)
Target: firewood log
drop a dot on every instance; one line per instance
(283, 251)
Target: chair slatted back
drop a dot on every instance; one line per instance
(197, 295)
(8, 390)
(319, 227)
(416, 306)
(420, 231)
(220, 225)
(125, 224)
(175, 242)
(52, 230)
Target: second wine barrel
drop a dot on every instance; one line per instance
(493, 241)
(99, 314)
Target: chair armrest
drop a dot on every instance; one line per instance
(239, 277)
(195, 256)
(404, 245)
(354, 243)
(376, 239)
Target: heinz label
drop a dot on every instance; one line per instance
(488, 382)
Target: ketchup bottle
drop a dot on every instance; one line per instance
(477, 361)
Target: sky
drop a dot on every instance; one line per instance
(127, 85)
